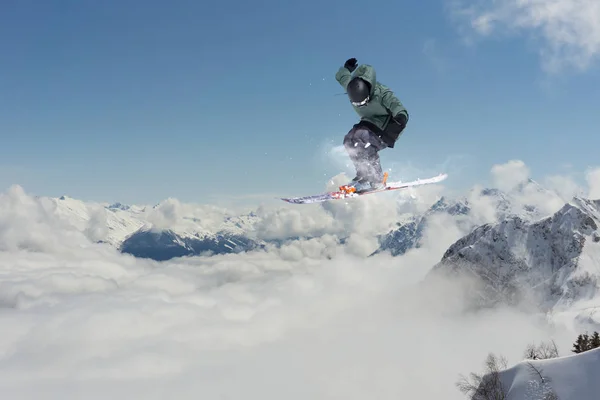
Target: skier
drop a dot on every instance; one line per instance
(382, 120)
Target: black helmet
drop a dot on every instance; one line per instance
(358, 91)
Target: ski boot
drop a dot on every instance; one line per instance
(361, 185)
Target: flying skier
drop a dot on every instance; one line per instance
(382, 120)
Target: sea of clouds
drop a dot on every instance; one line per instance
(310, 319)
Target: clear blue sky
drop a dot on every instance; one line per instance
(136, 101)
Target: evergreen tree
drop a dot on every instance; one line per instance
(595, 341)
(586, 342)
(580, 344)
(577, 345)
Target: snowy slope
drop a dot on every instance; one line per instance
(573, 377)
(552, 263)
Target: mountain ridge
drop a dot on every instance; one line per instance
(550, 262)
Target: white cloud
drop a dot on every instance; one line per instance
(29, 224)
(509, 175)
(514, 177)
(325, 246)
(564, 186)
(173, 214)
(97, 226)
(166, 214)
(568, 31)
(109, 325)
(366, 216)
(593, 181)
(291, 222)
(316, 317)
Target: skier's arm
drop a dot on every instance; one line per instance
(391, 102)
(343, 76)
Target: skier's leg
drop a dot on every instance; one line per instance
(354, 150)
(363, 147)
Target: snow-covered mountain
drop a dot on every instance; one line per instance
(159, 232)
(170, 229)
(164, 244)
(551, 263)
(409, 231)
(110, 223)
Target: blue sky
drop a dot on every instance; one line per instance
(137, 101)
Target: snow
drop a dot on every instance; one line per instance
(570, 377)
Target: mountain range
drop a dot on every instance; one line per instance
(155, 232)
(409, 232)
(149, 232)
(519, 252)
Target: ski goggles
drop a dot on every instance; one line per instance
(361, 103)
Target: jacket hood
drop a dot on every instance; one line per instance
(367, 73)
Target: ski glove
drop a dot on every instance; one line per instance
(401, 119)
(351, 64)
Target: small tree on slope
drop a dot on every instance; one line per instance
(544, 351)
(486, 386)
(540, 387)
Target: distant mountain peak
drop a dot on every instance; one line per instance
(118, 206)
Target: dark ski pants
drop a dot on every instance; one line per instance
(363, 147)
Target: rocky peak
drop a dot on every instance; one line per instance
(552, 261)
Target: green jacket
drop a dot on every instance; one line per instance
(384, 105)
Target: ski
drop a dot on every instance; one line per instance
(345, 193)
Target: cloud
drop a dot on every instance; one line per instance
(203, 218)
(26, 223)
(230, 326)
(514, 177)
(166, 214)
(97, 227)
(568, 31)
(292, 222)
(593, 181)
(509, 175)
(564, 186)
(366, 216)
(323, 247)
(313, 318)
